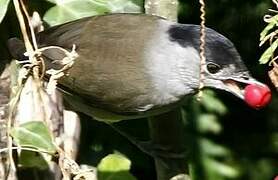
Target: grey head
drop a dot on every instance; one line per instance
(225, 69)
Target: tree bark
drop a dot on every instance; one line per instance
(5, 83)
(167, 136)
(166, 130)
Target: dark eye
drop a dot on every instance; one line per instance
(213, 68)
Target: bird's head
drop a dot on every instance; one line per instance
(224, 68)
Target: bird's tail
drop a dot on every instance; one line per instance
(17, 49)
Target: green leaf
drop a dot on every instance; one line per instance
(272, 23)
(213, 149)
(114, 163)
(75, 9)
(123, 6)
(208, 123)
(116, 167)
(221, 168)
(3, 8)
(34, 134)
(267, 55)
(212, 103)
(28, 159)
(69, 10)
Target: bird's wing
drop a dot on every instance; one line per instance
(110, 71)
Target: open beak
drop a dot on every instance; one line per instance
(235, 87)
(253, 92)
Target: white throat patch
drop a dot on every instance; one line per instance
(170, 67)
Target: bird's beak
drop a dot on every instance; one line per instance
(253, 92)
(237, 85)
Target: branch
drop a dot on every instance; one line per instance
(166, 130)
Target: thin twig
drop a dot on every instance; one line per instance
(26, 149)
(36, 66)
(20, 17)
(34, 42)
(202, 48)
(30, 51)
(37, 58)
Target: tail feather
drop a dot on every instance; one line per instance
(17, 49)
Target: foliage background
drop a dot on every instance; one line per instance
(225, 139)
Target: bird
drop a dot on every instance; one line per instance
(131, 66)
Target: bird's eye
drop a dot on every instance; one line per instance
(213, 68)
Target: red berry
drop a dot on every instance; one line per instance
(257, 96)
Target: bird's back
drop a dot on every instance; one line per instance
(127, 64)
(111, 68)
